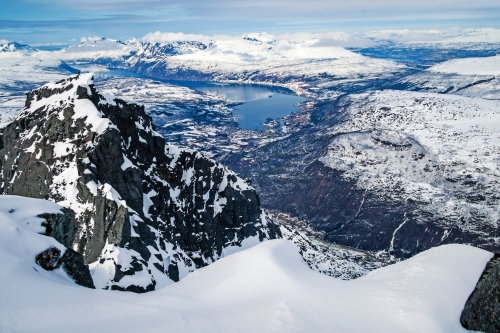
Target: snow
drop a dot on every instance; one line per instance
(272, 57)
(267, 288)
(83, 108)
(245, 244)
(470, 66)
(25, 211)
(437, 136)
(62, 148)
(127, 163)
(103, 272)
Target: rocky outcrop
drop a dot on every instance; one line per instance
(145, 214)
(482, 309)
(62, 226)
(331, 260)
(71, 262)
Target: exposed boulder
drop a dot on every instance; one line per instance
(482, 309)
(71, 262)
(62, 226)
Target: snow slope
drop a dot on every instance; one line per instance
(470, 66)
(441, 150)
(21, 241)
(267, 288)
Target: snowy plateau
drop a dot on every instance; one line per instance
(373, 207)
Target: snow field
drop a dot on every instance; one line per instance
(266, 288)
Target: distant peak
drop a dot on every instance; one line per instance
(262, 37)
(16, 47)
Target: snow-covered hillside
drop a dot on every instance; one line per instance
(267, 288)
(388, 170)
(470, 66)
(429, 145)
(260, 57)
(477, 77)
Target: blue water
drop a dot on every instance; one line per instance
(253, 104)
(253, 113)
(256, 103)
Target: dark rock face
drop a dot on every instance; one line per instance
(482, 309)
(139, 206)
(62, 227)
(71, 262)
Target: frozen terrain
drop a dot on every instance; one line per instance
(21, 72)
(267, 288)
(136, 202)
(410, 170)
(470, 66)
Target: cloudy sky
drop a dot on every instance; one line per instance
(64, 21)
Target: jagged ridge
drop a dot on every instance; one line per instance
(146, 214)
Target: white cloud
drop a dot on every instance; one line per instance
(165, 37)
(3, 41)
(90, 39)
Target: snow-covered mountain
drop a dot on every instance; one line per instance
(16, 47)
(257, 58)
(146, 214)
(471, 77)
(205, 122)
(383, 157)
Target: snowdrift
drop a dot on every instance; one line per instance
(267, 288)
